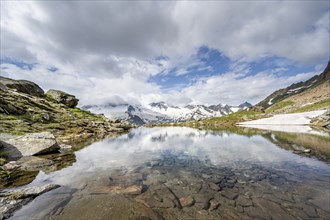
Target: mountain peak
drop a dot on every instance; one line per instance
(245, 105)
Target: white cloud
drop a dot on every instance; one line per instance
(105, 51)
(235, 89)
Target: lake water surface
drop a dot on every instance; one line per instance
(185, 173)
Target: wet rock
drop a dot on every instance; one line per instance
(32, 144)
(206, 176)
(128, 190)
(62, 97)
(187, 201)
(229, 194)
(239, 209)
(285, 197)
(146, 213)
(310, 211)
(256, 213)
(244, 202)
(12, 200)
(195, 187)
(159, 197)
(298, 213)
(203, 200)
(214, 187)
(132, 190)
(274, 210)
(32, 163)
(214, 204)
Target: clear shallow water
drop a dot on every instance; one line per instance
(184, 173)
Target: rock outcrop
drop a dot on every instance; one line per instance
(322, 121)
(31, 144)
(69, 100)
(55, 112)
(23, 86)
(12, 200)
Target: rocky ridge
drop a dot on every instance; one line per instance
(25, 111)
(161, 112)
(308, 92)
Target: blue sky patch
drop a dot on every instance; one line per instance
(18, 63)
(211, 62)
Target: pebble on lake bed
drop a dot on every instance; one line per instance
(187, 201)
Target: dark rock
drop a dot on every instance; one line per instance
(229, 194)
(203, 200)
(310, 211)
(22, 86)
(256, 213)
(158, 197)
(274, 210)
(45, 116)
(62, 97)
(244, 202)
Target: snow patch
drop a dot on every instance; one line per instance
(295, 122)
(270, 101)
(303, 118)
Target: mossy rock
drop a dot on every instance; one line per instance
(62, 97)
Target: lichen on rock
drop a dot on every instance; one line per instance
(62, 97)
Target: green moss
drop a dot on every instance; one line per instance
(315, 106)
(84, 114)
(2, 161)
(13, 195)
(4, 174)
(279, 105)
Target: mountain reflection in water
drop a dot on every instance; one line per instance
(189, 173)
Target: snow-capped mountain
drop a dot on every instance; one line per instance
(160, 112)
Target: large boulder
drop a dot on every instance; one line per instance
(322, 120)
(31, 144)
(62, 97)
(22, 86)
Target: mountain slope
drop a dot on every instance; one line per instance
(25, 108)
(161, 112)
(318, 84)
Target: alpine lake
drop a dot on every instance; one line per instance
(186, 173)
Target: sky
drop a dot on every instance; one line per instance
(180, 52)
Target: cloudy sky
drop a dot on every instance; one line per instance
(178, 52)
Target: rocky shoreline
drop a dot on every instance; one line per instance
(37, 131)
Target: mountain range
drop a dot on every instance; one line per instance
(161, 112)
(311, 94)
(293, 90)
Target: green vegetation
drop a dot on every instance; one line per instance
(279, 105)
(318, 144)
(4, 174)
(84, 114)
(315, 106)
(218, 123)
(3, 157)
